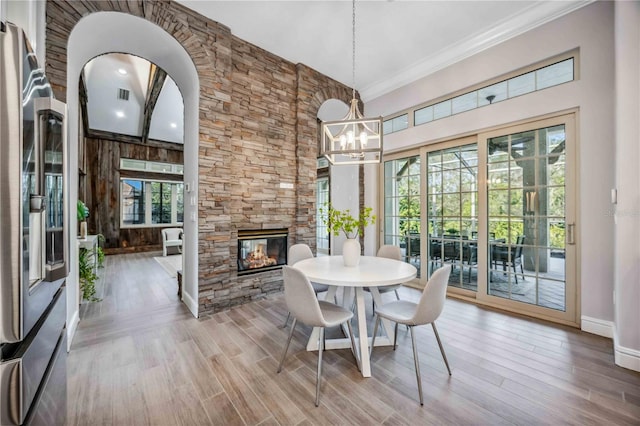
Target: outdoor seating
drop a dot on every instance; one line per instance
(510, 258)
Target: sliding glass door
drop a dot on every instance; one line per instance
(531, 217)
(498, 209)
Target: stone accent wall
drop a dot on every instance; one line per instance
(258, 128)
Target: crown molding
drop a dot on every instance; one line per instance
(535, 16)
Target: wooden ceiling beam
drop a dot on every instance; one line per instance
(84, 98)
(157, 77)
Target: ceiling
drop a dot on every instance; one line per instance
(397, 42)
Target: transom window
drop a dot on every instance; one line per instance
(542, 78)
(151, 166)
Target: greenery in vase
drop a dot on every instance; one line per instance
(341, 220)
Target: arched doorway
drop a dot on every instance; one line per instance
(105, 32)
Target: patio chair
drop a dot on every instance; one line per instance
(509, 258)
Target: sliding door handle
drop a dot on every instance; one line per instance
(571, 229)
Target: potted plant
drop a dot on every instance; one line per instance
(83, 214)
(87, 276)
(342, 220)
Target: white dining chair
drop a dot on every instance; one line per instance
(298, 252)
(426, 311)
(305, 307)
(390, 252)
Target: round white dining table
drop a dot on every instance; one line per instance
(371, 272)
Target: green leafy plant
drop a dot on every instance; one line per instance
(342, 220)
(83, 211)
(100, 251)
(87, 276)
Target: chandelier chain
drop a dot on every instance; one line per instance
(353, 53)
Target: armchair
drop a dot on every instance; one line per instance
(171, 237)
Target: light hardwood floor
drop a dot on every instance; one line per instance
(140, 358)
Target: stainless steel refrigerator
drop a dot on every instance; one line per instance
(34, 239)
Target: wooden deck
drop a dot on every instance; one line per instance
(140, 358)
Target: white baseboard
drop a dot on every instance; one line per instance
(72, 326)
(597, 326)
(624, 357)
(191, 304)
(627, 358)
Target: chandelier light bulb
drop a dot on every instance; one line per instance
(363, 139)
(343, 142)
(351, 140)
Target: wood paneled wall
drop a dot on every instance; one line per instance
(102, 190)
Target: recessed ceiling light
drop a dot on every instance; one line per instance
(173, 125)
(120, 114)
(122, 71)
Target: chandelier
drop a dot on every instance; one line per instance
(354, 139)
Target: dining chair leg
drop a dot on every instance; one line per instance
(320, 350)
(375, 332)
(395, 336)
(353, 345)
(286, 348)
(286, 320)
(417, 363)
(435, 331)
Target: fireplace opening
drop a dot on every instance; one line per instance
(261, 250)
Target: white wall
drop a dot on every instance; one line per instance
(627, 211)
(591, 29)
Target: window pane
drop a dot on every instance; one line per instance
(423, 115)
(441, 110)
(464, 102)
(160, 202)
(387, 127)
(554, 74)
(400, 123)
(522, 84)
(132, 201)
(322, 198)
(402, 206)
(179, 202)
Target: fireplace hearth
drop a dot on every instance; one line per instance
(261, 250)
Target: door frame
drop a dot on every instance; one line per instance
(571, 314)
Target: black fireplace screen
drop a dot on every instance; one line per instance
(261, 250)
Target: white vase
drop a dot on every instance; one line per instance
(83, 229)
(351, 252)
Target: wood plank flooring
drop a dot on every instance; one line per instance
(140, 358)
